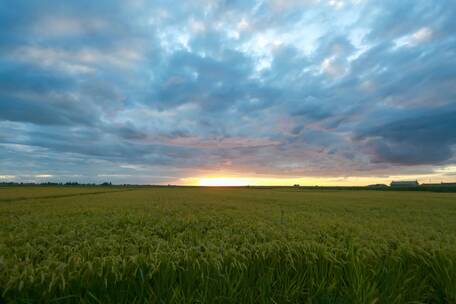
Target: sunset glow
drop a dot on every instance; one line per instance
(223, 181)
(239, 180)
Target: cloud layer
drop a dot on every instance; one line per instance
(143, 92)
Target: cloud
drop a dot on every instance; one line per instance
(422, 35)
(422, 138)
(142, 91)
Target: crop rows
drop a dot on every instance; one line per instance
(175, 245)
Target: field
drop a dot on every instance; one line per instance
(226, 245)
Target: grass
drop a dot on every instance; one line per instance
(226, 245)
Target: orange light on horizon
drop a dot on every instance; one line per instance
(234, 180)
(222, 181)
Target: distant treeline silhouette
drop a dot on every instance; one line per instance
(60, 184)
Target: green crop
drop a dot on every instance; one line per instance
(225, 245)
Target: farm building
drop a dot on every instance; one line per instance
(404, 183)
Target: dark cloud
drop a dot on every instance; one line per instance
(422, 138)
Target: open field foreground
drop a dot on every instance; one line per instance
(226, 245)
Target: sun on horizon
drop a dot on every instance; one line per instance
(222, 181)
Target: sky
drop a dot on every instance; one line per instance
(316, 92)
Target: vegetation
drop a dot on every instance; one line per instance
(226, 245)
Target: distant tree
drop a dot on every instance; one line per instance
(71, 184)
